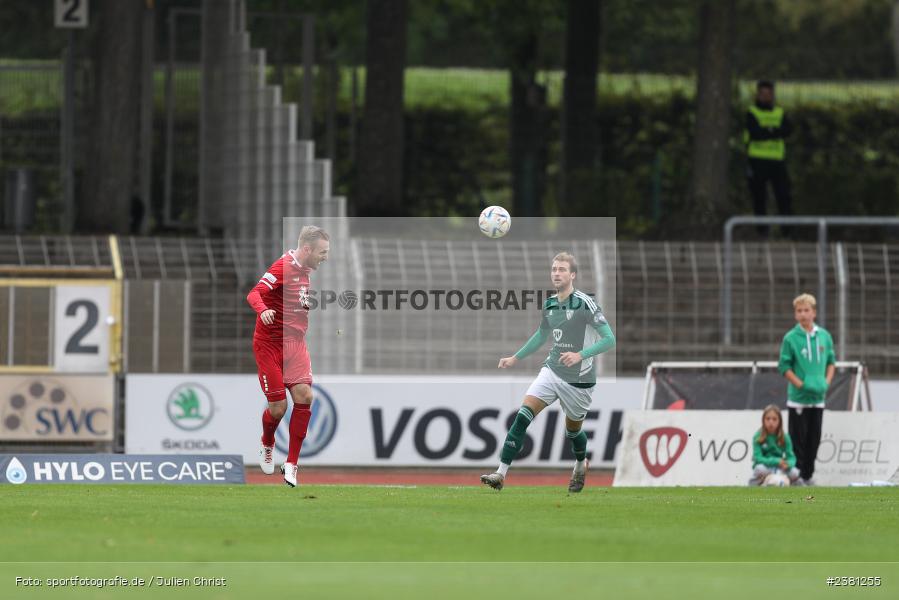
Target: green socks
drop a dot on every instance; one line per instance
(515, 437)
(578, 443)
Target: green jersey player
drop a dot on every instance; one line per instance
(579, 332)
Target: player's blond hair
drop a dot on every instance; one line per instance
(569, 258)
(310, 234)
(805, 299)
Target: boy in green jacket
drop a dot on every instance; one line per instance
(807, 361)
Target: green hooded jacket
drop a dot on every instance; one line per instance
(769, 453)
(808, 355)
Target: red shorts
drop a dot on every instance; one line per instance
(281, 365)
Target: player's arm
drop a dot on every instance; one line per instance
(785, 364)
(532, 345)
(606, 341)
(269, 282)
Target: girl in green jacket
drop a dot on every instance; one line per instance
(772, 449)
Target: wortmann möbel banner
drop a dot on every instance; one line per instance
(713, 447)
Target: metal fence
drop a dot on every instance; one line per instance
(32, 144)
(672, 291)
(186, 308)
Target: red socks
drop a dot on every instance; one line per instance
(269, 425)
(299, 422)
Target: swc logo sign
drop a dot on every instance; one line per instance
(661, 447)
(63, 408)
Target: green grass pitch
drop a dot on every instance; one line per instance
(392, 542)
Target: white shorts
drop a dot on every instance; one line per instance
(548, 387)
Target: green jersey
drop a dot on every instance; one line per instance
(769, 453)
(575, 325)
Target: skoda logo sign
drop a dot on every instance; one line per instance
(322, 425)
(190, 406)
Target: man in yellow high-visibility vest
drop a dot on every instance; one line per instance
(766, 129)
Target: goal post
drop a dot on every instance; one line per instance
(743, 385)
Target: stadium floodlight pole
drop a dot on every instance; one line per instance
(821, 221)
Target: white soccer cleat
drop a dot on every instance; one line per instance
(578, 475)
(266, 463)
(290, 474)
(494, 480)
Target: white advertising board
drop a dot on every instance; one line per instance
(700, 447)
(369, 421)
(56, 407)
(885, 395)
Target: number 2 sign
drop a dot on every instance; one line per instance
(71, 14)
(81, 336)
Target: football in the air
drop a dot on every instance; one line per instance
(777, 480)
(494, 221)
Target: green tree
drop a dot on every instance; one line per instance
(104, 203)
(894, 33)
(579, 131)
(380, 167)
(521, 28)
(711, 152)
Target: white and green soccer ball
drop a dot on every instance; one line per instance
(777, 480)
(494, 222)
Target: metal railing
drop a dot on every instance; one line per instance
(186, 309)
(822, 223)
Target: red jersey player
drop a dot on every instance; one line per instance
(281, 302)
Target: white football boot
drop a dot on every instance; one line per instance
(494, 480)
(578, 475)
(290, 474)
(266, 463)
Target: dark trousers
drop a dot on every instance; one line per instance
(805, 431)
(759, 172)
